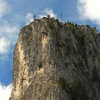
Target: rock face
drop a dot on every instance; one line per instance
(56, 61)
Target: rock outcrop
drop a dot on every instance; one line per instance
(56, 61)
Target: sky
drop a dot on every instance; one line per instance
(15, 14)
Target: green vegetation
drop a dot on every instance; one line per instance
(90, 41)
(80, 63)
(94, 29)
(51, 23)
(63, 84)
(48, 16)
(81, 39)
(73, 29)
(72, 26)
(66, 64)
(76, 89)
(95, 75)
(82, 46)
(70, 48)
(69, 24)
(69, 45)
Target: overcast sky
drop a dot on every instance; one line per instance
(14, 14)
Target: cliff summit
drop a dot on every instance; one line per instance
(56, 61)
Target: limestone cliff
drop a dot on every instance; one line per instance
(56, 61)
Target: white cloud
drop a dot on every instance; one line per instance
(29, 18)
(5, 92)
(47, 12)
(8, 32)
(89, 9)
(8, 37)
(4, 45)
(4, 8)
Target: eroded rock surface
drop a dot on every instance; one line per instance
(56, 61)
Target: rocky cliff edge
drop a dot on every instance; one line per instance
(56, 61)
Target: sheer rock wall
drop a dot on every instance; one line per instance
(56, 61)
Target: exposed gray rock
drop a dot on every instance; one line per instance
(56, 61)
